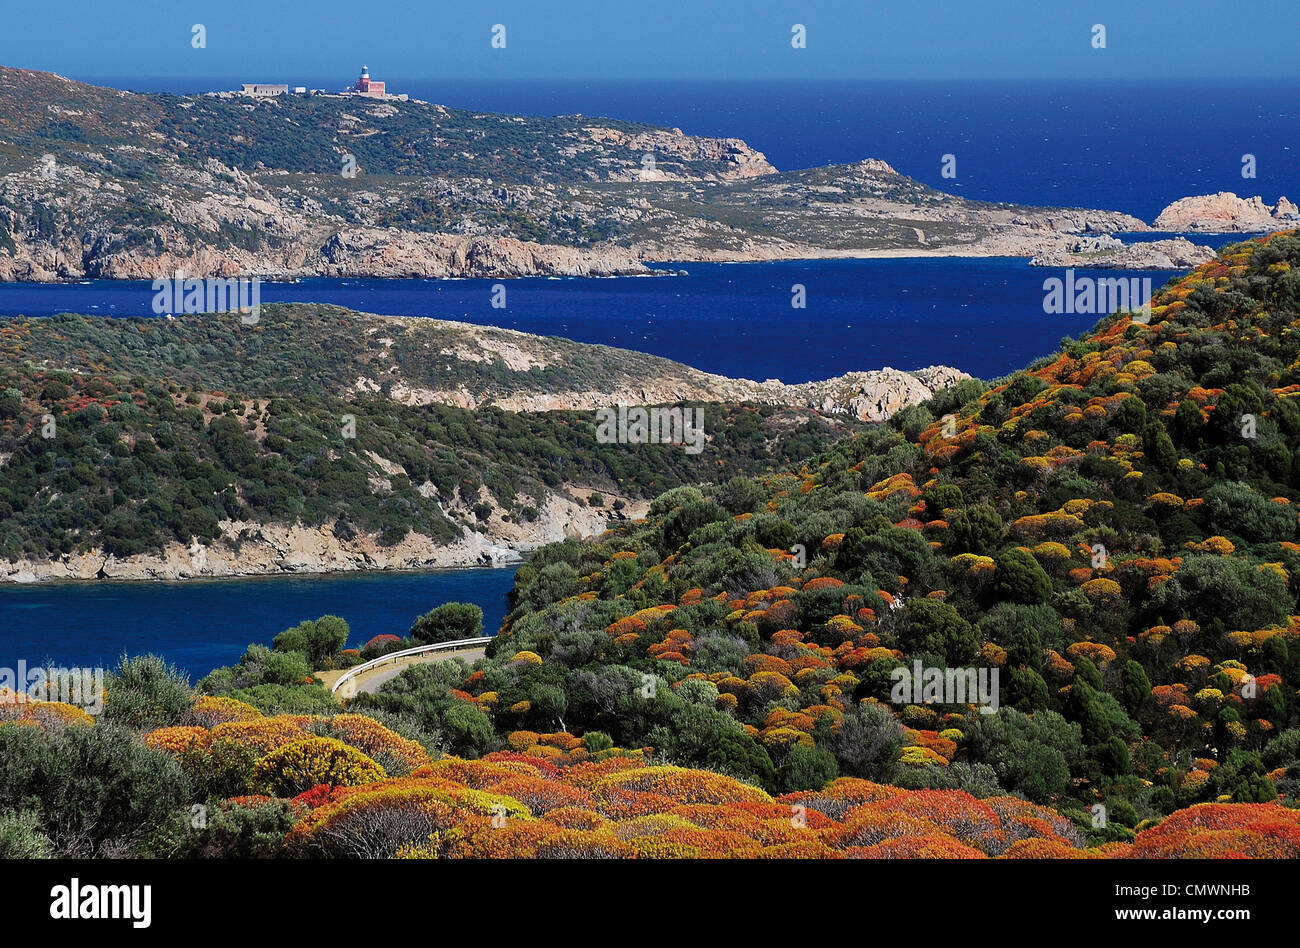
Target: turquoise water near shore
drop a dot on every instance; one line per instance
(199, 625)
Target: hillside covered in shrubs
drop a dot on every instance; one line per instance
(375, 785)
(125, 435)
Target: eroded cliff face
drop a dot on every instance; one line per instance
(1227, 214)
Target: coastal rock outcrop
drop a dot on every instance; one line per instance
(395, 253)
(1177, 253)
(1226, 213)
(731, 158)
(867, 396)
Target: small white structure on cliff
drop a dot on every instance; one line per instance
(264, 88)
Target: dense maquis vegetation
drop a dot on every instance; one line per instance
(318, 349)
(1113, 529)
(371, 783)
(180, 435)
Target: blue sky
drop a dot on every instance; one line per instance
(279, 40)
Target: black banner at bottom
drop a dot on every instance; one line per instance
(142, 898)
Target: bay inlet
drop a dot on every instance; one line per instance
(199, 625)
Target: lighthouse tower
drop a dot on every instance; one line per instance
(367, 86)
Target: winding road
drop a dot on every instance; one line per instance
(370, 680)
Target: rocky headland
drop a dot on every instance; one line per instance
(101, 184)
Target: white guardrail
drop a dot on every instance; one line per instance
(364, 667)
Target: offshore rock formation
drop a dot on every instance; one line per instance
(1228, 214)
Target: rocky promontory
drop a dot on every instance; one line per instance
(96, 183)
(278, 389)
(356, 252)
(873, 395)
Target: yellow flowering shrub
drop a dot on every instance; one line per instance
(303, 764)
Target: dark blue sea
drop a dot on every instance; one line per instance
(202, 624)
(983, 315)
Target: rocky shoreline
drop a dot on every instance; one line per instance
(369, 253)
(250, 550)
(221, 560)
(349, 253)
(361, 253)
(1060, 238)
